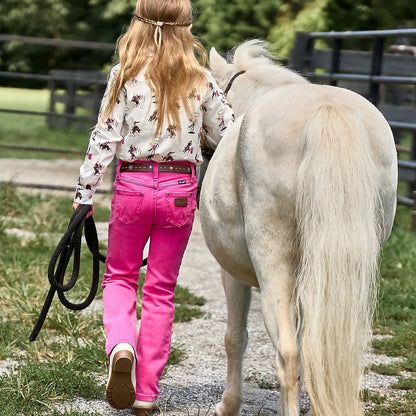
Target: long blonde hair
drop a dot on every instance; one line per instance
(166, 52)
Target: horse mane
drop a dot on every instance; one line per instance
(254, 57)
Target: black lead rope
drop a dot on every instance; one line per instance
(231, 82)
(69, 245)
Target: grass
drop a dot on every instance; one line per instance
(70, 343)
(32, 131)
(22, 288)
(68, 359)
(48, 371)
(396, 317)
(33, 386)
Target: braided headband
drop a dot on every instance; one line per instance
(158, 29)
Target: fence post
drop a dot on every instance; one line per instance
(301, 55)
(376, 65)
(70, 100)
(335, 60)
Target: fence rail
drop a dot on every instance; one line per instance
(363, 71)
(57, 42)
(42, 149)
(47, 114)
(70, 82)
(363, 34)
(364, 78)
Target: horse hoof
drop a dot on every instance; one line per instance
(221, 410)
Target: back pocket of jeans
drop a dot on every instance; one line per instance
(128, 205)
(180, 208)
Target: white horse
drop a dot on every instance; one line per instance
(297, 201)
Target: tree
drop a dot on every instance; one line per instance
(226, 24)
(370, 14)
(218, 23)
(92, 20)
(337, 15)
(297, 16)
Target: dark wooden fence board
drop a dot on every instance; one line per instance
(81, 89)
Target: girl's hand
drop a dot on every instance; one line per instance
(76, 205)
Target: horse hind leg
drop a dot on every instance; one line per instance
(238, 298)
(280, 321)
(274, 268)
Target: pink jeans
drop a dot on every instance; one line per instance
(159, 206)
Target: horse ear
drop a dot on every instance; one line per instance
(217, 63)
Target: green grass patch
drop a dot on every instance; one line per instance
(34, 385)
(383, 406)
(184, 313)
(187, 305)
(32, 130)
(75, 342)
(177, 354)
(387, 370)
(405, 383)
(184, 296)
(372, 397)
(24, 99)
(40, 213)
(396, 316)
(68, 359)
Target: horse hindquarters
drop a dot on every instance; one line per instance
(337, 208)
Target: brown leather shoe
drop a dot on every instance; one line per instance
(143, 411)
(120, 389)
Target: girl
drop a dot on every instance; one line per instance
(158, 105)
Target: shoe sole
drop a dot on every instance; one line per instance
(143, 411)
(120, 390)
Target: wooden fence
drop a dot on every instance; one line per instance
(81, 89)
(70, 91)
(383, 75)
(75, 90)
(386, 75)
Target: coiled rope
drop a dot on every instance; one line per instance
(70, 244)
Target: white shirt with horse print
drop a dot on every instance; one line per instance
(129, 133)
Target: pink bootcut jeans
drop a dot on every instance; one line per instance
(159, 206)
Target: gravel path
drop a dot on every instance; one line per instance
(195, 385)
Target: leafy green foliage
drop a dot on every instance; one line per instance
(369, 14)
(218, 23)
(297, 16)
(226, 24)
(57, 19)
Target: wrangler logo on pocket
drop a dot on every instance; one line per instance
(181, 202)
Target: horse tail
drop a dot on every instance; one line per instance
(336, 213)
